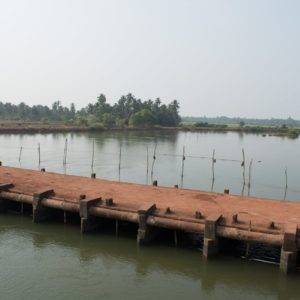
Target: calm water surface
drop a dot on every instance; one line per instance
(271, 156)
(53, 261)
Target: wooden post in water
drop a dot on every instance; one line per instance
(65, 156)
(286, 182)
(65, 152)
(39, 154)
(250, 171)
(147, 162)
(213, 160)
(20, 154)
(153, 162)
(93, 157)
(120, 157)
(249, 175)
(182, 165)
(244, 166)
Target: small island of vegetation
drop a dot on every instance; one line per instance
(127, 113)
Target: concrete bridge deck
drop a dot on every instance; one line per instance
(211, 214)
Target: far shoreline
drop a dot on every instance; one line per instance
(14, 127)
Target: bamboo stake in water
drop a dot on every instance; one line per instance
(244, 166)
(182, 165)
(147, 162)
(286, 178)
(213, 159)
(250, 173)
(120, 157)
(243, 190)
(286, 183)
(182, 162)
(39, 154)
(20, 154)
(153, 162)
(65, 152)
(213, 165)
(93, 156)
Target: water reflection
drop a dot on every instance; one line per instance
(218, 278)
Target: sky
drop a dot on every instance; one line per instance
(226, 57)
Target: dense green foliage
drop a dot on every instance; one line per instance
(23, 112)
(128, 111)
(209, 125)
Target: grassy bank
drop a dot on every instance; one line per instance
(291, 132)
(56, 127)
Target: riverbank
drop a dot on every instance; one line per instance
(291, 132)
(39, 127)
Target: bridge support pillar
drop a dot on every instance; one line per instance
(288, 257)
(39, 212)
(145, 233)
(88, 223)
(210, 243)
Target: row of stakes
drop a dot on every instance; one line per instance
(183, 158)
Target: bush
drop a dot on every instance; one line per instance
(142, 118)
(201, 124)
(293, 133)
(108, 120)
(80, 121)
(97, 126)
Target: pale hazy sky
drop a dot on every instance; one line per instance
(235, 58)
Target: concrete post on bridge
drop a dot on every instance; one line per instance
(4, 187)
(210, 243)
(145, 233)
(88, 223)
(288, 257)
(39, 212)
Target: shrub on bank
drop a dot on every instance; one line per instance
(293, 133)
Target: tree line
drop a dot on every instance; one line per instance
(222, 120)
(127, 111)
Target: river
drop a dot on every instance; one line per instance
(53, 261)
